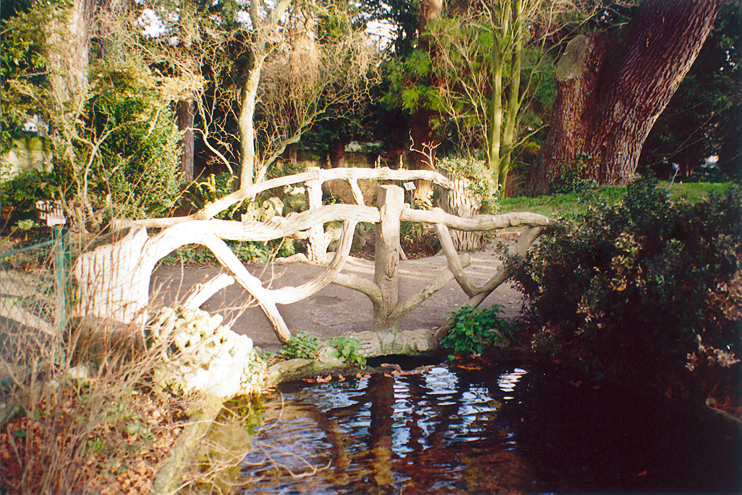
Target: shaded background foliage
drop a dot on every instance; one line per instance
(138, 162)
(703, 117)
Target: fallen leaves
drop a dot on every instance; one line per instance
(111, 446)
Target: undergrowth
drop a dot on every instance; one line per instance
(476, 329)
(648, 291)
(73, 427)
(305, 346)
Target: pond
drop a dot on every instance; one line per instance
(492, 429)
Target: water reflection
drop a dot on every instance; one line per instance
(438, 430)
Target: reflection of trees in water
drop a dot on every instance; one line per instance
(433, 420)
(443, 432)
(428, 432)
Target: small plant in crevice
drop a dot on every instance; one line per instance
(474, 329)
(301, 345)
(349, 349)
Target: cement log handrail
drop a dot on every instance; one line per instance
(353, 174)
(477, 222)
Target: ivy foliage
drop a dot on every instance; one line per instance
(481, 183)
(349, 349)
(302, 345)
(647, 291)
(305, 346)
(23, 67)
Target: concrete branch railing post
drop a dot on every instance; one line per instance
(316, 239)
(386, 257)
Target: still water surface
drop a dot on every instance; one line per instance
(439, 429)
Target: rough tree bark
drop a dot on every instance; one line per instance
(612, 86)
(337, 151)
(460, 202)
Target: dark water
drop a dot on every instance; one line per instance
(491, 430)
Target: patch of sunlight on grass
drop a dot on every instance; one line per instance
(574, 204)
(694, 192)
(564, 205)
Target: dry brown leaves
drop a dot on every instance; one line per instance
(114, 449)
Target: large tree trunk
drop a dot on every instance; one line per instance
(337, 151)
(69, 39)
(611, 87)
(460, 202)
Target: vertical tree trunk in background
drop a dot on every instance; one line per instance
(611, 87)
(337, 152)
(185, 110)
(421, 132)
(70, 47)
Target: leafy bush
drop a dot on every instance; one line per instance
(207, 191)
(570, 179)
(301, 345)
(647, 291)
(474, 329)
(22, 191)
(418, 240)
(349, 349)
(139, 157)
(708, 174)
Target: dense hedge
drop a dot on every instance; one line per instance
(646, 291)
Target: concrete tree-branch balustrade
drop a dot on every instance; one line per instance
(113, 280)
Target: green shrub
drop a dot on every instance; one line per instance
(349, 349)
(301, 345)
(647, 291)
(207, 191)
(707, 174)
(474, 329)
(418, 240)
(139, 157)
(22, 191)
(571, 179)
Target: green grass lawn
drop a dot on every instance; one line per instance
(573, 204)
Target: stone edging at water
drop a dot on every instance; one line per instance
(168, 480)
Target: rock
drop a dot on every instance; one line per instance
(203, 355)
(295, 199)
(408, 342)
(327, 359)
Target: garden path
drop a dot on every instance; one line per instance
(334, 310)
